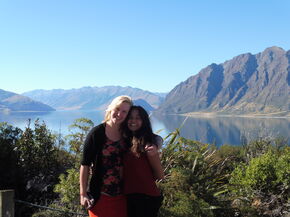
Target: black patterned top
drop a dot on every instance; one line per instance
(112, 153)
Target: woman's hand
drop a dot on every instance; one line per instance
(154, 160)
(86, 201)
(84, 197)
(151, 150)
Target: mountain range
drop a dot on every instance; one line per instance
(98, 98)
(246, 84)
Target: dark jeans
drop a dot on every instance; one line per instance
(141, 205)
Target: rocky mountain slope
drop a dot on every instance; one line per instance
(246, 84)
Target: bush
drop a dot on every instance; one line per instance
(263, 183)
(194, 178)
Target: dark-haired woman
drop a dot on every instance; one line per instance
(142, 166)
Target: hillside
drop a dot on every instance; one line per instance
(10, 101)
(246, 84)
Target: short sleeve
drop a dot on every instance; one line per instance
(158, 141)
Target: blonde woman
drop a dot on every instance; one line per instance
(104, 148)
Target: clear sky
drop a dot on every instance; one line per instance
(150, 44)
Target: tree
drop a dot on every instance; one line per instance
(38, 162)
(9, 171)
(68, 187)
(37, 150)
(79, 129)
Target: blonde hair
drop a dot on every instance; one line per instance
(115, 103)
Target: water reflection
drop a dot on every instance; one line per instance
(227, 130)
(215, 130)
(57, 121)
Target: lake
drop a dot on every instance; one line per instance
(217, 130)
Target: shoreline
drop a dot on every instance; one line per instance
(215, 114)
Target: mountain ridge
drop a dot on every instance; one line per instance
(93, 97)
(246, 84)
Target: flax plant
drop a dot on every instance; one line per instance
(195, 178)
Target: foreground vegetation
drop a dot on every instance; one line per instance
(201, 179)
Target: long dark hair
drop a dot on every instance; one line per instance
(138, 139)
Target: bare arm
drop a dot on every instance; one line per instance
(155, 162)
(84, 176)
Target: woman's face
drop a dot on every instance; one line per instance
(134, 121)
(119, 114)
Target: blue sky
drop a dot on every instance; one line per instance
(152, 44)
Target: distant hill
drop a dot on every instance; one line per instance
(144, 104)
(10, 101)
(92, 97)
(163, 95)
(246, 84)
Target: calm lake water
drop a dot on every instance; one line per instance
(217, 130)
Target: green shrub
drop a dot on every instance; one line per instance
(194, 178)
(263, 183)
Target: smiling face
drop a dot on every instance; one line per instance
(134, 120)
(119, 113)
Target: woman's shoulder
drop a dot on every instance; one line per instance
(158, 141)
(97, 129)
(100, 126)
